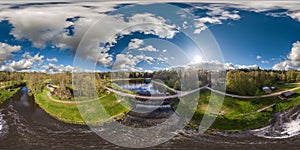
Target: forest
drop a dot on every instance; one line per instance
(241, 82)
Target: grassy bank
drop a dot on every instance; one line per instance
(5, 94)
(69, 113)
(240, 114)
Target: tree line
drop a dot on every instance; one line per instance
(242, 82)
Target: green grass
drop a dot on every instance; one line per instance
(69, 113)
(285, 105)
(4, 94)
(63, 99)
(240, 114)
(64, 112)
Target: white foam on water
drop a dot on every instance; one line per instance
(287, 129)
(3, 126)
(292, 128)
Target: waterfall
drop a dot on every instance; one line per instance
(286, 125)
(3, 125)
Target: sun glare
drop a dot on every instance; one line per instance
(197, 59)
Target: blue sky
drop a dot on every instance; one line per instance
(45, 37)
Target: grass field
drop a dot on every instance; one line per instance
(240, 114)
(4, 94)
(235, 115)
(69, 113)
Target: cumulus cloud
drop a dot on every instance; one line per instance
(284, 65)
(48, 23)
(137, 44)
(287, 8)
(250, 67)
(258, 57)
(125, 62)
(292, 61)
(52, 68)
(6, 52)
(230, 66)
(215, 15)
(26, 63)
(149, 48)
(128, 62)
(265, 61)
(52, 59)
(294, 56)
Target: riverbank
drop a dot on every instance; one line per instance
(236, 114)
(5, 94)
(242, 114)
(69, 113)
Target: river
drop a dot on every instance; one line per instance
(24, 125)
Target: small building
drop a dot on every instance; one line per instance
(267, 89)
(286, 95)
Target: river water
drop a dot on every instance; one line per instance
(24, 125)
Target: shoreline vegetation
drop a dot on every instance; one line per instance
(236, 114)
(6, 94)
(69, 113)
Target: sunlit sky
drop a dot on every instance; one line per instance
(45, 36)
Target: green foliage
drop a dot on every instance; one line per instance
(64, 112)
(4, 94)
(69, 112)
(35, 82)
(239, 114)
(245, 82)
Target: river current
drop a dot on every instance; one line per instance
(24, 125)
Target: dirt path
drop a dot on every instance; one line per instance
(265, 108)
(250, 97)
(184, 93)
(72, 102)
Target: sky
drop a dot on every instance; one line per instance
(108, 36)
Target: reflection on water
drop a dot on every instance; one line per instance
(26, 126)
(143, 88)
(148, 113)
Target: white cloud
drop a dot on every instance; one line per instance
(250, 67)
(52, 68)
(46, 24)
(284, 65)
(26, 63)
(265, 61)
(294, 56)
(292, 7)
(148, 48)
(128, 62)
(293, 59)
(125, 62)
(258, 57)
(52, 59)
(135, 44)
(6, 51)
(231, 66)
(216, 15)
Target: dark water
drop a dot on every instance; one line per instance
(23, 125)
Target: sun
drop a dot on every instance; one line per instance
(197, 59)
